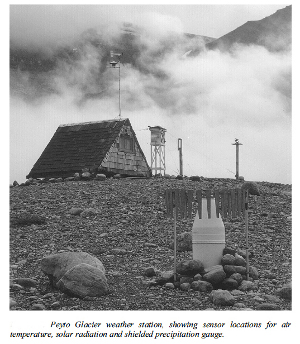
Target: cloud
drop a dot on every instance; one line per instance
(207, 100)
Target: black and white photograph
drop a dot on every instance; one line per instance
(150, 167)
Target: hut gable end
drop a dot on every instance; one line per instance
(107, 146)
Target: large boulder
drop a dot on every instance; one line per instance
(56, 265)
(83, 280)
(190, 267)
(222, 298)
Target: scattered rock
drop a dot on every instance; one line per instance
(229, 284)
(198, 277)
(165, 277)
(190, 267)
(247, 285)
(251, 187)
(215, 276)
(76, 211)
(202, 286)
(38, 307)
(89, 212)
(221, 297)
(169, 285)
(253, 272)
(229, 250)
(285, 292)
(186, 279)
(239, 260)
(185, 286)
(12, 303)
(195, 178)
(150, 272)
(267, 307)
(238, 277)
(86, 176)
(228, 259)
(229, 269)
(26, 282)
(102, 177)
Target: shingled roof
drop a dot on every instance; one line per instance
(77, 146)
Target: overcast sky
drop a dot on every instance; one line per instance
(226, 112)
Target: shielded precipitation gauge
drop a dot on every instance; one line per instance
(208, 234)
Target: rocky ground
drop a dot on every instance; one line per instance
(124, 224)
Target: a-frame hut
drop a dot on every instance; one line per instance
(109, 147)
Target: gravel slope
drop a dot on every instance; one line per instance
(128, 231)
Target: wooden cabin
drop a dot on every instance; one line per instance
(108, 147)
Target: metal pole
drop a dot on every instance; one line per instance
(237, 144)
(119, 90)
(180, 157)
(246, 232)
(175, 248)
(237, 162)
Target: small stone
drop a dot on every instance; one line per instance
(55, 305)
(285, 291)
(222, 298)
(251, 187)
(149, 272)
(86, 175)
(240, 269)
(258, 299)
(239, 260)
(247, 285)
(215, 276)
(26, 282)
(38, 307)
(238, 277)
(165, 277)
(16, 287)
(239, 305)
(268, 307)
(76, 211)
(253, 272)
(100, 177)
(186, 279)
(169, 285)
(236, 292)
(229, 250)
(229, 269)
(119, 251)
(229, 284)
(190, 267)
(272, 298)
(228, 259)
(202, 286)
(198, 277)
(89, 212)
(12, 303)
(185, 286)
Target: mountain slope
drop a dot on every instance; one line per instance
(273, 32)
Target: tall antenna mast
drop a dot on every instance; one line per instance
(116, 63)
